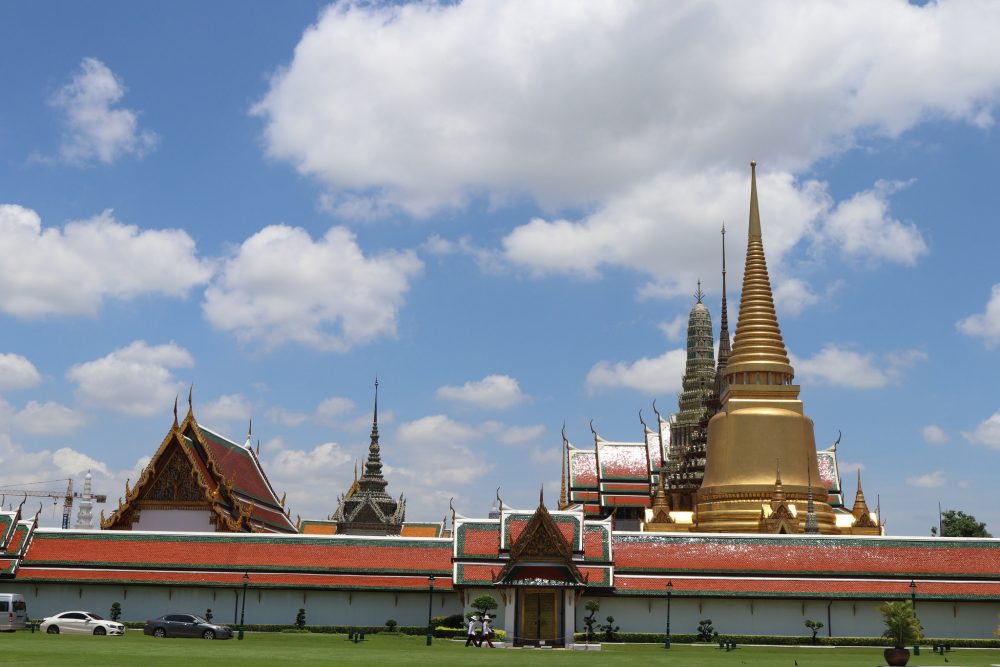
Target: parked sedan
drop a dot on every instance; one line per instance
(80, 623)
(185, 625)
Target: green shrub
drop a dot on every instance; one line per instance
(300, 619)
(706, 633)
(116, 611)
(452, 621)
(391, 624)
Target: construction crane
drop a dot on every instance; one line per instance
(67, 496)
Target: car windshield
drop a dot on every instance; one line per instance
(94, 616)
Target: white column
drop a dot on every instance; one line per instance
(569, 617)
(509, 620)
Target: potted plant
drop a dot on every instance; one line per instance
(902, 627)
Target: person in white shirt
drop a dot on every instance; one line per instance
(470, 635)
(487, 631)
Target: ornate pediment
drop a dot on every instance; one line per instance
(541, 542)
(175, 481)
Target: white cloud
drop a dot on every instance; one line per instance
(512, 435)
(986, 324)
(73, 270)
(849, 467)
(436, 454)
(493, 391)
(16, 372)
(987, 432)
(840, 367)
(931, 480)
(333, 407)
(226, 408)
(934, 434)
(94, 129)
(793, 295)
(547, 99)
(135, 380)
(49, 418)
(676, 329)
(658, 375)
(283, 287)
(862, 227)
(287, 417)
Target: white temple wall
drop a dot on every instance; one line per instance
(264, 605)
(787, 617)
(190, 521)
(499, 614)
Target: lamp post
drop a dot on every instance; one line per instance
(913, 594)
(243, 609)
(670, 592)
(430, 610)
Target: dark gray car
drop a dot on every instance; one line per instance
(185, 625)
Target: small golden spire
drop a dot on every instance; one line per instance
(778, 496)
(759, 355)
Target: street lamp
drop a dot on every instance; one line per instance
(243, 609)
(670, 592)
(430, 610)
(913, 594)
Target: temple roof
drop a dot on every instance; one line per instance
(211, 469)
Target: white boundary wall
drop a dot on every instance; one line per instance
(263, 605)
(846, 618)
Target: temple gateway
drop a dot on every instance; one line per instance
(723, 510)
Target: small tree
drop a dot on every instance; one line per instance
(815, 627)
(706, 633)
(483, 604)
(956, 523)
(610, 630)
(208, 615)
(116, 611)
(593, 606)
(901, 623)
(391, 625)
(300, 619)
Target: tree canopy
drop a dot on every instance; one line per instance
(956, 523)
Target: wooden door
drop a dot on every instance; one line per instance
(539, 616)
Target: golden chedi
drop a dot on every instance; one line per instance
(761, 422)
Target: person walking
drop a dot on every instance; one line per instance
(470, 634)
(488, 631)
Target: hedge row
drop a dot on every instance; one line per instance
(418, 630)
(659, 637)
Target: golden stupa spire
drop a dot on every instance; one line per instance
(562, 473)
(759, 355)
(860, 506)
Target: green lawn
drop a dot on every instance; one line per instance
(275, 649)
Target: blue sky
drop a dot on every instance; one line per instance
(502, 209)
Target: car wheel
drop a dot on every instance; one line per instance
(100, 632)
(159, 632)
(52, 630)
(209, 634)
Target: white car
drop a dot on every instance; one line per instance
(80, 623)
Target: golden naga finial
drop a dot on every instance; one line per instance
(128, 489)
(283, 496)
(175, 411)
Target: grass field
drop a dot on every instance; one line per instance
(275, 649)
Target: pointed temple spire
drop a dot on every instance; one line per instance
(725, 348)
(860, 506)
(778, 496)
(367, 509)
(699, 295)
(758, 355)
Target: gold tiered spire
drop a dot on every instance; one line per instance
(759, 355)
(761, 417)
